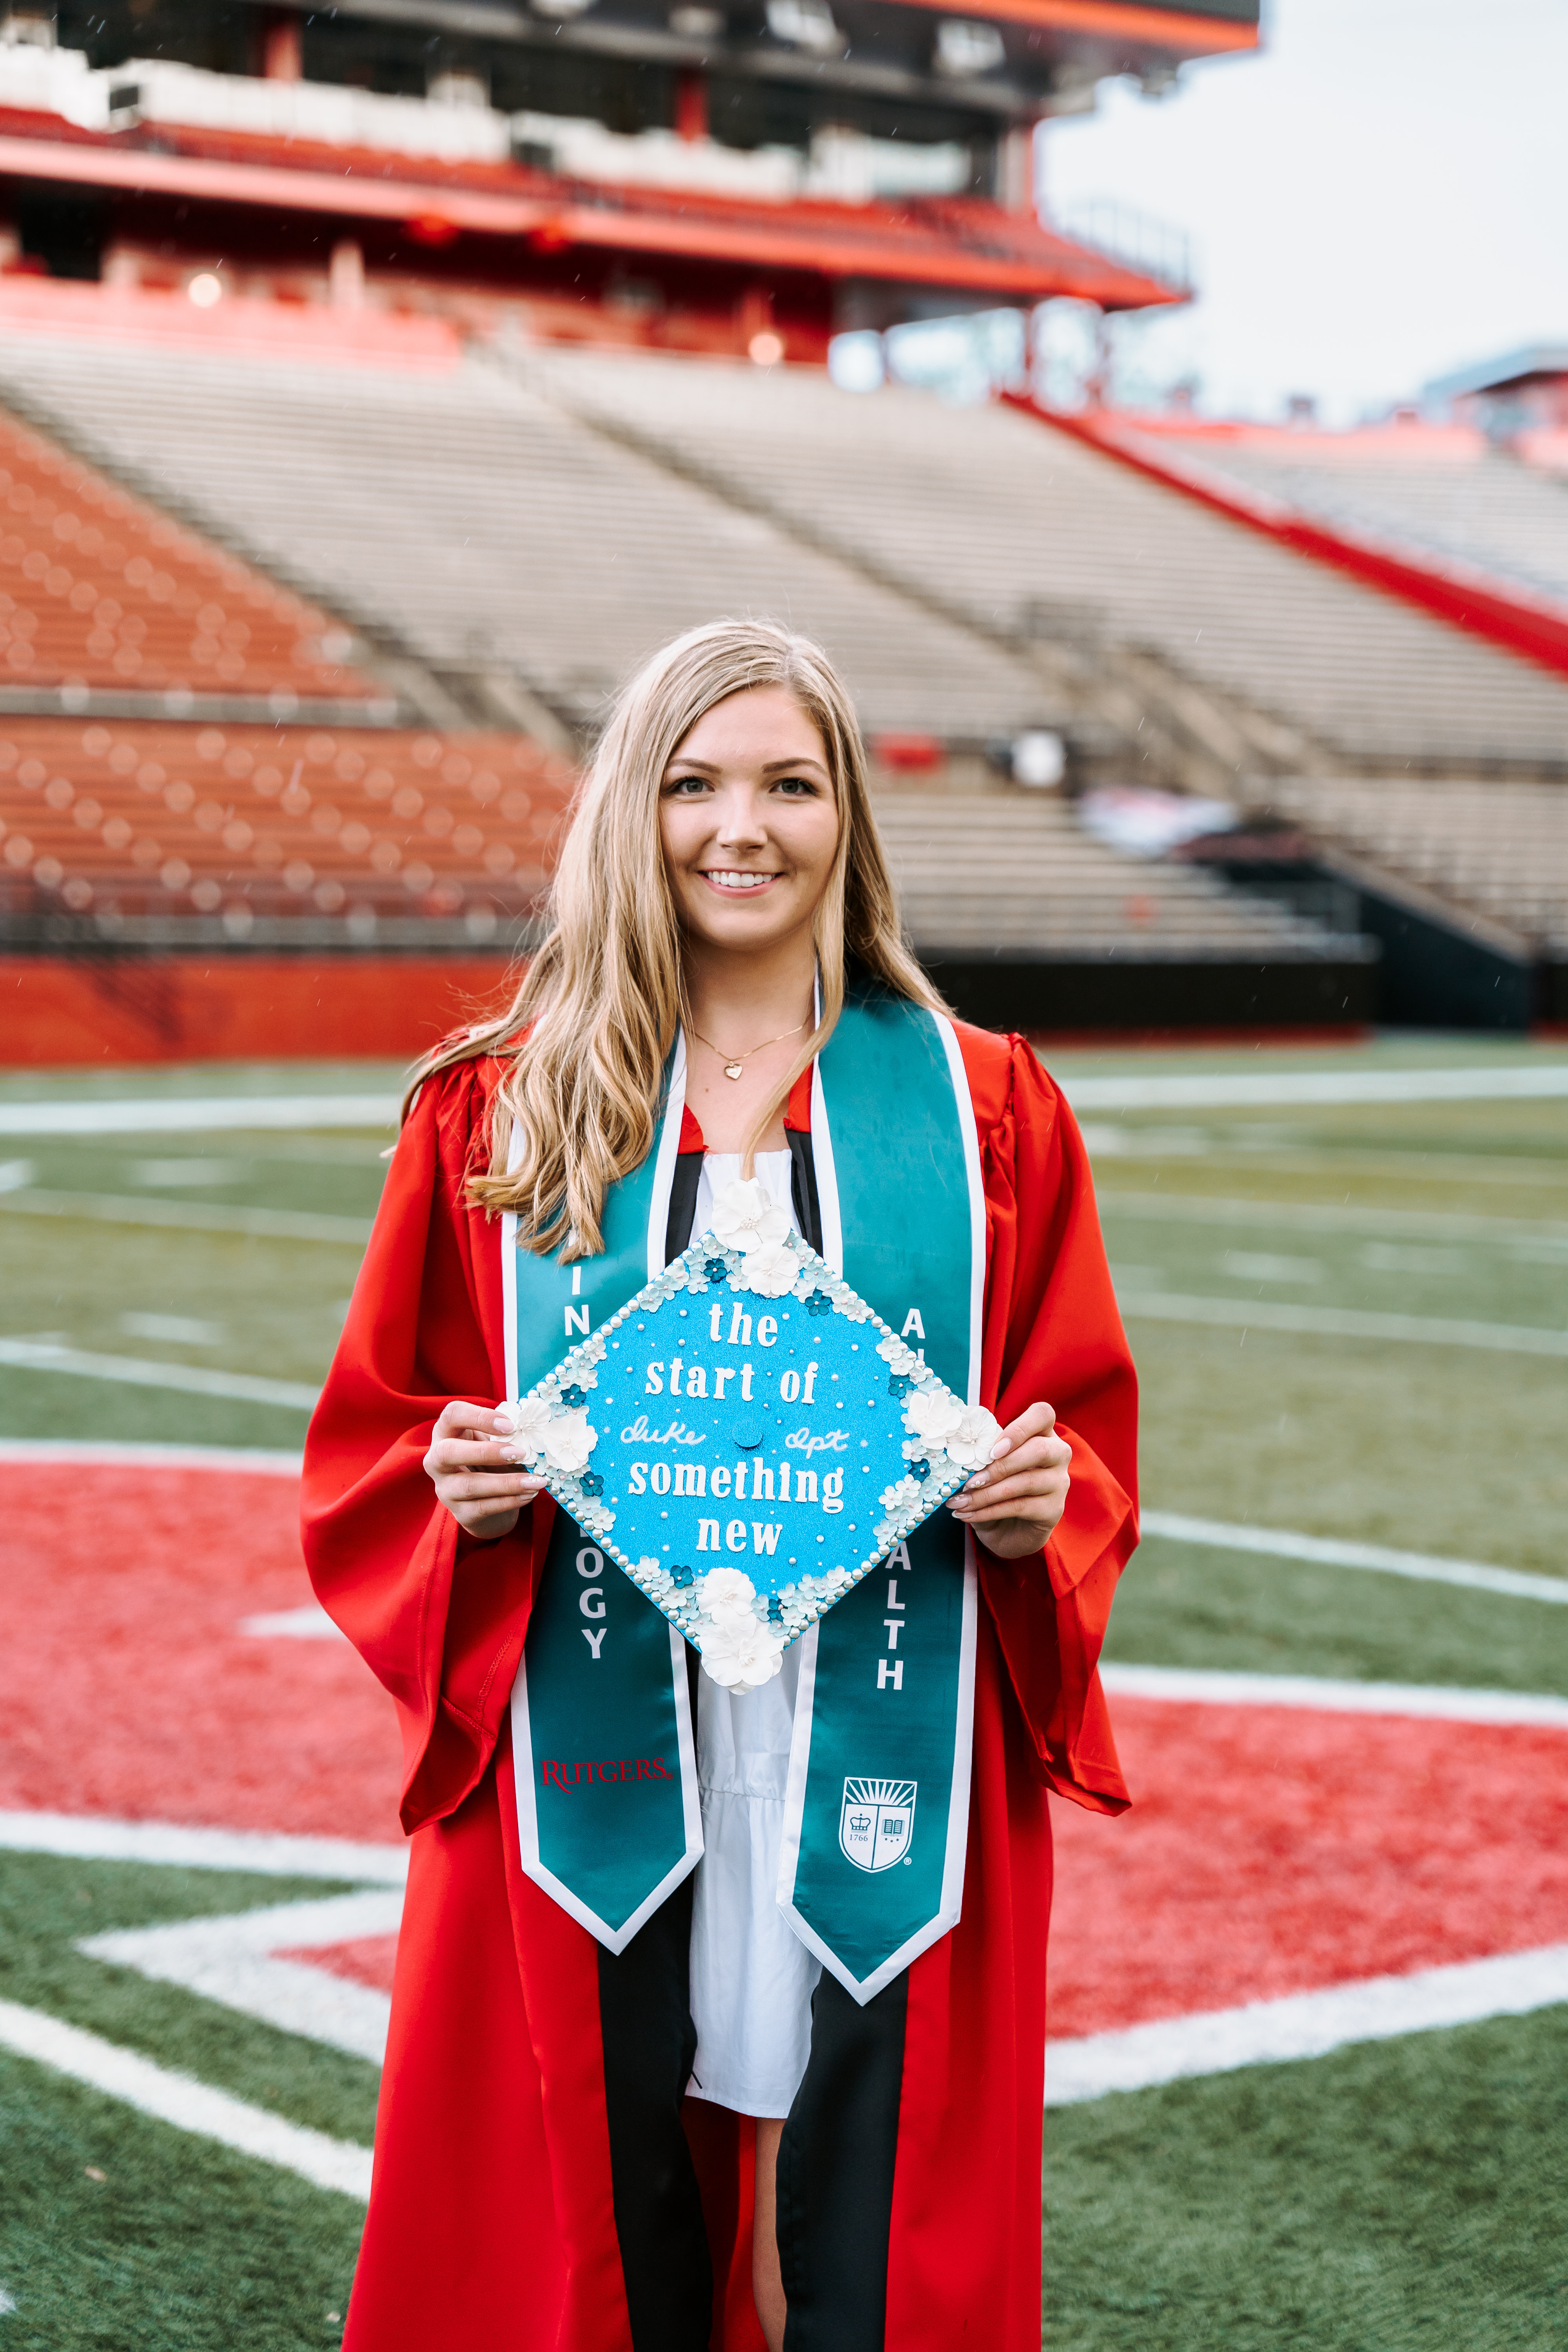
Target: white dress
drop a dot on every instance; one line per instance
(752, 1978)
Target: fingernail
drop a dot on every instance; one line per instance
(1003, 1445)
(505, 1423)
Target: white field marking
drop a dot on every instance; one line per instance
(309, 1622)
(1219, 1089)
(195, 1380)
(1281, 1543)
(1304, 2025)
(1205, 1686)
(90, 1452)
(1426, 1225)
(91, 1837)
(189, 2106)
(230, 1960)
(189, 1216)
(1344, 1322)
(197, 1114)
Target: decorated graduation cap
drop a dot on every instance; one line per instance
(747, 1438)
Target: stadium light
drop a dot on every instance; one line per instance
(805, 25)
(205, 289)
(964, 47)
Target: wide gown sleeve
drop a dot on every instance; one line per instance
(1053, 1335)
(438, 1617)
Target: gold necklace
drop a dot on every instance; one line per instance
(733, 1068)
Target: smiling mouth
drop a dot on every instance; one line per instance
(734, 882)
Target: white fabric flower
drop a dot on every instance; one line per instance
(896, 1355)
(743, 1654)
(530, 1419)
(726, 1594)
(568, 1441)
(902, 1496)
(769, 1269)
(969, 1445)
(744, 1217)
(932, 1416)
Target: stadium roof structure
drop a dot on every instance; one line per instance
(679, 175)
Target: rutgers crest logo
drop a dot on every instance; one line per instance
(878, 1822)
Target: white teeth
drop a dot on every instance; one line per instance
(738, 881)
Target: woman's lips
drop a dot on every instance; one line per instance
(735, 882)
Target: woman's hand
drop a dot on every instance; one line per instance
(1013, 1505)
(474, 1470)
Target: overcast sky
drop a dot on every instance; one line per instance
(1377, 198)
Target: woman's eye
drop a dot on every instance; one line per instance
(687, 784)
(796, 786)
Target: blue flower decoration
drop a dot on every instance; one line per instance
(775, 1610)
(683, 1576)
(819, 1303)
(574, 1396)
(898, 1384)
(591, 1483)
(920, 1472)
(716, 1270)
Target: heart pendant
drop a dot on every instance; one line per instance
(732, 1069)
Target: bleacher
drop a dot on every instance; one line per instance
(986, 871)
(1496, 851)
(1031, 534)
(99, 591)
(150, 833)
(480, 526)
(1442, 492)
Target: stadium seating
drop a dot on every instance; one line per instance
(151, 828)
(1031, 533)
(1440, 491)
(488, 531)
(988, 873)
(1496, 850)
(98, 590)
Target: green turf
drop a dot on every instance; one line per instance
(1407, 2196)
(1186, 1605)
(1402, 2194)
(48, 1903)
(182, 2247)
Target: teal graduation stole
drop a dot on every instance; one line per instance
(876, 1811)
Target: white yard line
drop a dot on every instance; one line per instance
(1343, 1322)
(93, 1452)
(1213, 1686)
(231, 1959)
(189, 2106)
(197, 1114)
(1326, 1551)
(1221, 1089)
(93, 1837)
(193, 1380)
(188, 1216)
(1304, 2025)
(1430, 1225)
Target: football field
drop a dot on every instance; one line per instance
(1309, 1999)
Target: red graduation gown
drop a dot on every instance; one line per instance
(490, 2218)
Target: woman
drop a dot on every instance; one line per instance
(729, 2131)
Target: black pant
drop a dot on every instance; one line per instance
(836, 2159)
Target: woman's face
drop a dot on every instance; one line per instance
(748, 822)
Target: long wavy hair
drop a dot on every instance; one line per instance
(585, 1039)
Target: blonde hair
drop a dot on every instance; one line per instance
(590, 1029)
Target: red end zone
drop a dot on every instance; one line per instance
(1270, 1851)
